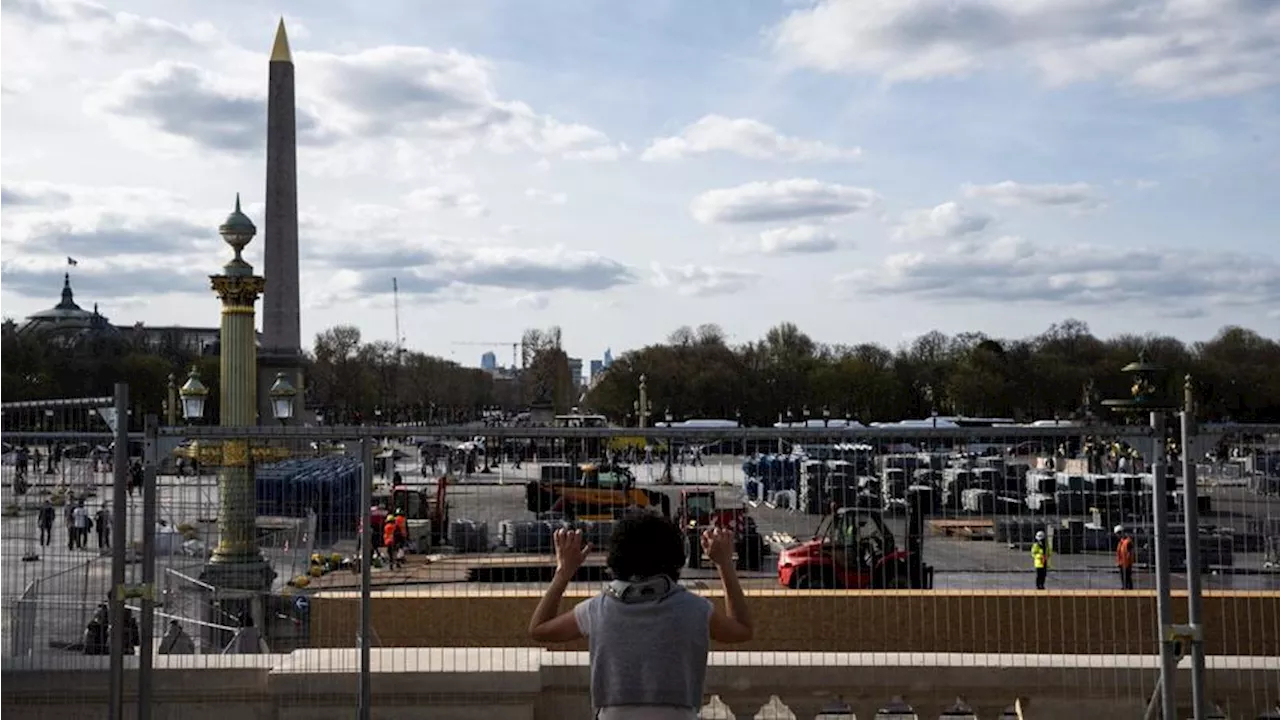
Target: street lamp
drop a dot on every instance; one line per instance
(1145, 396)
(669, 417)
(737, 415)
(282, 394)
(805, 414)
(826, 416)
(193, 394)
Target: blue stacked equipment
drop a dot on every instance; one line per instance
(330, 486)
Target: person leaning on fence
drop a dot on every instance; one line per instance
(1125, 557)
(648, 636)
(1040, 554)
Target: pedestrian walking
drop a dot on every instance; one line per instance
(44, 520)
(80, 523)
(1125, 557)
(102, 522)
(1040, 558)
(69, 519)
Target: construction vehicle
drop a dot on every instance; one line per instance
(853, 549)
(416, 504)
(590, 492)
(698, 513)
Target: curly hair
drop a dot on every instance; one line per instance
(644, 545)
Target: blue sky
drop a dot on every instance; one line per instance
(620, 169)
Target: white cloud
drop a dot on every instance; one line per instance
(436, 198)
(1010, 193)
(794, 240)
(548, 198)
(795, 199)
(702, 281)
(1181, 48)
(745, 137)
(445, 100)
(1011, 269)
(531, 301)
(948, 220)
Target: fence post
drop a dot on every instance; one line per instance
(1191, 515)
(119, 538)
(366, 577)
(147, 631)
(1160, 525)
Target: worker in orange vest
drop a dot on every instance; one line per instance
(395, 531)
(1125, 557)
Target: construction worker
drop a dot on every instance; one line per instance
(1040, 558)
(1125, 557)
(394, 533)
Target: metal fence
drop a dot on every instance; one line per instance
(927, 557)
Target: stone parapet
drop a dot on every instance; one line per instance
(1084, 622)
(533, 684)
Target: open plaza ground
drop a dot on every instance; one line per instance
(68, 584)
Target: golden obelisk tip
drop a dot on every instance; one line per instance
(280, 50)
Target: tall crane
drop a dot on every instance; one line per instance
(515, 349)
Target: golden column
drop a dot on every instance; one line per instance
(237, 562)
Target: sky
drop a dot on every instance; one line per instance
(867, 169)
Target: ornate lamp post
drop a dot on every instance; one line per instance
(282, 395)
(236, 563)
(193, 394)
(1145, 397)
(826, 416)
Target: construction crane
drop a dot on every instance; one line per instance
(515, 349)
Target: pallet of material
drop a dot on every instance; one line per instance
(971, 529)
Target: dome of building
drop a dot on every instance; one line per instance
(67, 319)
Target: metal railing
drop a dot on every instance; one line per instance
(986, 492)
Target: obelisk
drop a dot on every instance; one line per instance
(281, 349)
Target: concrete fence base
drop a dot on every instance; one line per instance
(533, 684)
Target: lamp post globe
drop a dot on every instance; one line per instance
(193, 394)
(282, 396)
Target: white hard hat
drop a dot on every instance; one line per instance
(1039, 534)
(1118, 529)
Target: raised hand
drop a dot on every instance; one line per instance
(717, 543)
(571, 551)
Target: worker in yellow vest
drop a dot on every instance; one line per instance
(1040, 558)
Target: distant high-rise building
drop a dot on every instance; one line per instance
(608, 357)
(489, 361)
(597, 367)
(575, 371)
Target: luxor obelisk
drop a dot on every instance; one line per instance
(281, 349)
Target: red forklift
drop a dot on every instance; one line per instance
(698, 512)
(853, 549)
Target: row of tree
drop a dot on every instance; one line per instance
(1064, 372)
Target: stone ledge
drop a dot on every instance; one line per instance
(531, 683)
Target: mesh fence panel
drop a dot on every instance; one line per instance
(878, 562)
